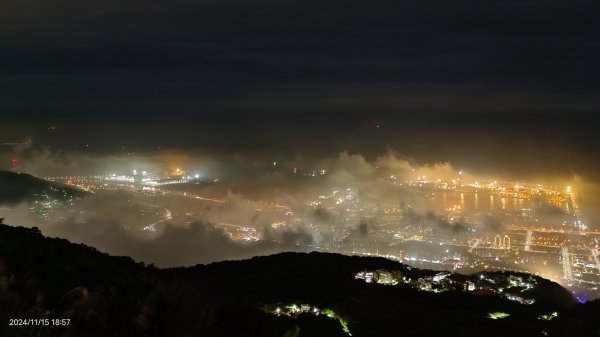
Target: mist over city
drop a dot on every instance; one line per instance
(181, 207)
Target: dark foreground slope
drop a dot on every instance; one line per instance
(20, 187)
(43, 278)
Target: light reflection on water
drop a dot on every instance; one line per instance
(478, 202)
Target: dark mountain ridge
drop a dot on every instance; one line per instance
(16, 188)
(288, 294)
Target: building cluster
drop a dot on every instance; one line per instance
(467, 226)
(381, 276)
(511, 287)
(440, 224)
(501, 242)
(295, 310)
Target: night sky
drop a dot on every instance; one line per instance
(499, 86)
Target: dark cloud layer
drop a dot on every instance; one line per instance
(199, 56)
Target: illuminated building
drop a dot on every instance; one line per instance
(440, 276)
(501, 242)
(506, 242)
(518, 298)
(497, 242)
(380, 276)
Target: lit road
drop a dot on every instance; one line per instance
(194, 196)
(552, 230)
(98, 182)
(152, 227)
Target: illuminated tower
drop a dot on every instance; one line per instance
(506, 242)
(528, 240)
(497, 242)
(566, 263)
